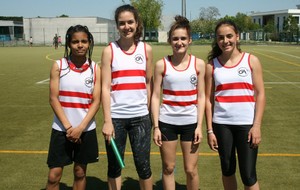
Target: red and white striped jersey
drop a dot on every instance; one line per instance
(128, 85)
(179, 104)
(234, 93)
(75, 92)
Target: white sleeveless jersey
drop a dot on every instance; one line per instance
(234, 93)
(179, 104)
(75, 92)
(128, 90)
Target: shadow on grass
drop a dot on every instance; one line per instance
(92, 183)
(129, 183)
(159, 186)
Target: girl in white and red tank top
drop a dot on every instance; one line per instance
(180, 78)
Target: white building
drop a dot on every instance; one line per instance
(43, 29)
(278, 17)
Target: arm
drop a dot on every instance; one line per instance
(149, 84)
(200, 65)
(53, 97)
(75, 133)
(259, 92)
(209, 104)
(155, 101)
(108, 128)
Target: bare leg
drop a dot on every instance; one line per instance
(190, 158)
(79, 176)
(229, 182)
(253, 187)
(168, 156)
(54, 177)
(146, 184)
(114, 183)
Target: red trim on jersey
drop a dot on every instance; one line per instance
(180, 93)
(95, 71)
(75, 94)
(173, 103)
(233, 65)
(125, 51)
(75, 105)
(60, 65)
(165, 68)
(237, 85)
(129, 86)
(170, 60)
(128, 73)
(195, 65)
(249, 62)
(81, 69)
(234, 99)
(112, 53)
(145, 51)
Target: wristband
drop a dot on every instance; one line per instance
(68, 128)
(210, 131)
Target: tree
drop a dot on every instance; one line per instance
(63, 16)
(206, 21)
(150, 12)
(210, 13)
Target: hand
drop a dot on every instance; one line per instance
(74, 134)
(108, 131)
(212, 141)
(157, 136)
(198, 136)
(254, 136)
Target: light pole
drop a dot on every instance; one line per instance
(183, 8)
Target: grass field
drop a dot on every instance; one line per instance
(26, 117)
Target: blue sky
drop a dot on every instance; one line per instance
(105, 8)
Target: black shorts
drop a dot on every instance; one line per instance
(170, 132)
(62, 152)
(232, 139)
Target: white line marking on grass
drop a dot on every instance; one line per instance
(43, 81)
(281, 60)
(290, 55)
(282, 79)
(282, 82)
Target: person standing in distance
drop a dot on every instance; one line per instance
(126, 91)
(75, 90)
(180, 78)
(235, 102)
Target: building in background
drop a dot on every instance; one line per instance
(11, 30)
(43, 29)
(278, 17)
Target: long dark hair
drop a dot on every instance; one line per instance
(129, 8)
(69, 34)
(216, 51)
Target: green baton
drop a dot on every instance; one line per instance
(116, 151)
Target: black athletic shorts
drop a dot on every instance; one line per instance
(63, 152)
(170, 132)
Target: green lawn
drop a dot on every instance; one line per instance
(26, 119)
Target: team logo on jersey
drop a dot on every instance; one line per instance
(89, 82)
(193, 80)
(243, 72)
(139, 58)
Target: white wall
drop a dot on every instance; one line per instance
(44, 29)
